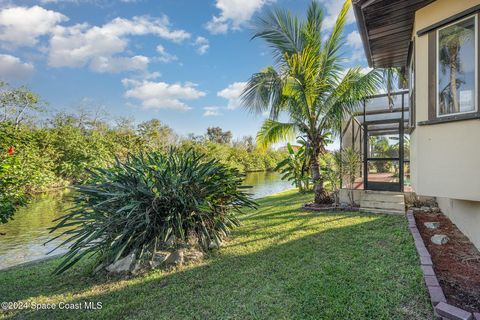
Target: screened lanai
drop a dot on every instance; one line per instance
(380, 133)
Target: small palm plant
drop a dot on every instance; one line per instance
(295, 167)
(138, 205)
(349, 163)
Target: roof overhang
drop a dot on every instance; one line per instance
(385, 27)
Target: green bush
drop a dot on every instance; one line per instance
(137, 205)
(295, 167)
(10, 194)
(24, 170)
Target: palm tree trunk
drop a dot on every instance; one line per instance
(317, 182)
(320, 194)
(453, 85)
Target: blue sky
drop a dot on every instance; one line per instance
(181, 61)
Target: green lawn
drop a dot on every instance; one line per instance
(282, 263)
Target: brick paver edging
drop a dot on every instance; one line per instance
(442, 309)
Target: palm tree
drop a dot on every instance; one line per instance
(451, 42)
(394, 79)
(308, 83)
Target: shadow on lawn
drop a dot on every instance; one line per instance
(359, 270)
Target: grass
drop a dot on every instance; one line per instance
(282, 263)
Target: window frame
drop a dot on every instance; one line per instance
(412, 86)
(437, 64)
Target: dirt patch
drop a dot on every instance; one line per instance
(456, 263)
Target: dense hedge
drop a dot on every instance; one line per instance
(42, 157)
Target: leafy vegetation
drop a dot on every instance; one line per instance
(349, 162)
(387, 147)
(295, 167)
(40, 151)
(310, 84)
(136, 206)
(330, 170)
(9, 195)
(333, 266)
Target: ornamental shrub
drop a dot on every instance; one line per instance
(139, 204)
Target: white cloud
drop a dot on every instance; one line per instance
(357, 55)
(366, 70)
(233, 14)
(217, 25)
(202, 45)
(119, 64)
(332, 9)
(354, 40)
(232, 94)
(162, 95)
(142, 25)
(12, 68)
(22, 26)
(151, 75)
(164, 56)
(81, 44)
(211, 111)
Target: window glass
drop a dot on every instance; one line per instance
(456, 68)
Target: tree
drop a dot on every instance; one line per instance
(16, 104)
(217, 135)
(450, 43)
(246, 142)
(155, 134)
(393, 80)
(308, 84)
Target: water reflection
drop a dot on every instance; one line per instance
(23, 237)
(265, 183)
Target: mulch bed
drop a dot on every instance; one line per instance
(456, 263)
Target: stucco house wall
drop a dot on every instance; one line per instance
(445, 157)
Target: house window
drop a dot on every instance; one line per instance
(456, 88)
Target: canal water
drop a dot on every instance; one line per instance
(22, 239)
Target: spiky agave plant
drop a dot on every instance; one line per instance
(140, 203)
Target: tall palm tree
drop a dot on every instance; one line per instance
(308, 83)
(450, 43)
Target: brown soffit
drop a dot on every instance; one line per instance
(385, 27)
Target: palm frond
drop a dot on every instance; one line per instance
(348, 95)
(330, 67)
(393, 79)
(312, 30)
(281, 30)
(263, 90)
(273, 131)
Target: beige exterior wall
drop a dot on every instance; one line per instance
(445, 158)
(465, 215)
